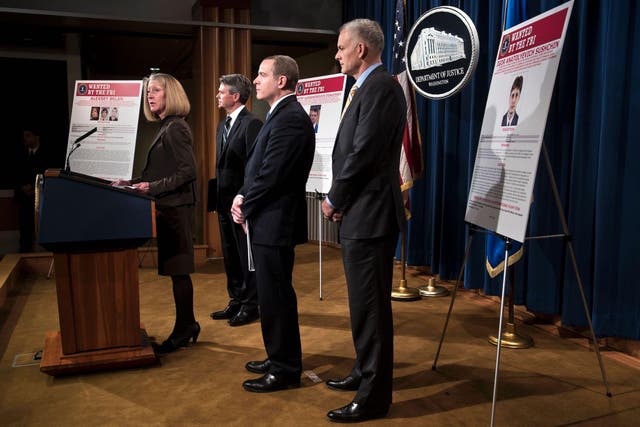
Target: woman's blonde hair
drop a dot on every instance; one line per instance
(176, 100)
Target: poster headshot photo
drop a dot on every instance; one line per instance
(104, 114)
(314, 115)
(95, 113)
(113, 116)
(510, 118)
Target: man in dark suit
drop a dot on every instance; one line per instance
(235, 137)
(365, 197)
(271, 206)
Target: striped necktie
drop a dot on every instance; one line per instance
(352, 93)
(225, 132)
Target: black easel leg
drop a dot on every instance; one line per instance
(565, 228)
(453, 295)
(507, 246)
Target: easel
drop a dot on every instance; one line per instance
(472, 229)
(319, 197)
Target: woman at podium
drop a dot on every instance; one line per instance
(170, 175)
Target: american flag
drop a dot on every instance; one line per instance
(411, 155)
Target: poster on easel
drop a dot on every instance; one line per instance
(322, 98)
(111, 110)
(514, 122)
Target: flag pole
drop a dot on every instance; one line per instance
(402, 292)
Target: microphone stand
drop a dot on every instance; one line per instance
(76, 145)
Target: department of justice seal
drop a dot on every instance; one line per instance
(442, 52)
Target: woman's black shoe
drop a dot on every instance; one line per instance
(175, 341)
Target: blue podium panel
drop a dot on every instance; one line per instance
(79, 213)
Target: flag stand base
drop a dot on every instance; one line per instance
(402, 293)
(433, 290)
(511, 338)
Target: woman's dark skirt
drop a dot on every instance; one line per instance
(174, 226)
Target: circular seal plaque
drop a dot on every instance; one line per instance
(442, 52)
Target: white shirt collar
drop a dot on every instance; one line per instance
(273, 107)
(234, 115)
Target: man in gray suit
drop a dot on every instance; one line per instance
(235, 138)
(365, 197)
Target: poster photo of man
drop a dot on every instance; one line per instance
(314, 115)
(510, 118)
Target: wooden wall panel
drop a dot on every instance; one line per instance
(219, 51)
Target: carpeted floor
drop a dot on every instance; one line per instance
(557, 382)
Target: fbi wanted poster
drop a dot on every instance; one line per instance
(112, 108)
(322, 99)
(514, 122)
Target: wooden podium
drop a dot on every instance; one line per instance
(93, 230)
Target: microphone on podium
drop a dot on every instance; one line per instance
(76, 145)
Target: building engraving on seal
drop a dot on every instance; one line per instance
(434, 48)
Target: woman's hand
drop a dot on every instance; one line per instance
(120, 183)
(141, 187)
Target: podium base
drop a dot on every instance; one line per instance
(57, 364)
(511, 338)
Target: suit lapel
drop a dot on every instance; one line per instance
(236, 124)
(224, 148)
(357, 97)
(219, 142)
(161, 132)
(222, 151)
(280, 106)
(266, 126)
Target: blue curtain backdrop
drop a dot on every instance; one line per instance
(593, 142)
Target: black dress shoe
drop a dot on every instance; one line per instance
(354, 412)
(181, 339)
(244, 317)
(347, 383)
(229, 311)
(271, 382)
(258, 366)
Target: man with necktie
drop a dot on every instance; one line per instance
(365, 197)
(235, 138)
(272, 207)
